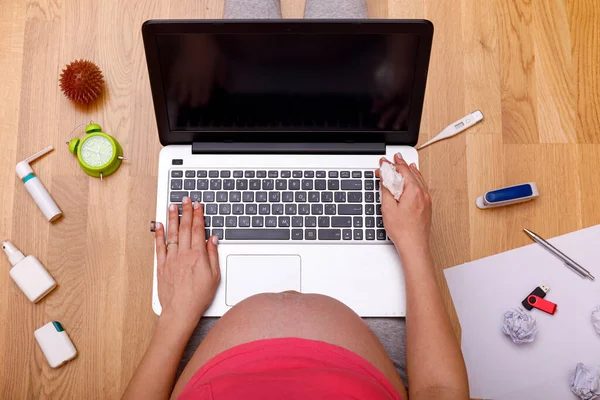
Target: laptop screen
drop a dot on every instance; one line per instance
(289, 81)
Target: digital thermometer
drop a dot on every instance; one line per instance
(508, 195)
(456, 127)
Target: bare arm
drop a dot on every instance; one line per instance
(154, 378)
(434, 359)
(188, 275)
(435, 364)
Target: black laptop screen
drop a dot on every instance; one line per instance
(288, 81)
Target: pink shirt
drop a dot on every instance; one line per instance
(290, 369)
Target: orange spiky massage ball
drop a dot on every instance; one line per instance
(81, 81)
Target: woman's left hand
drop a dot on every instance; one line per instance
(188, 270)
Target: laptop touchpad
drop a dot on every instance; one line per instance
(248, 275)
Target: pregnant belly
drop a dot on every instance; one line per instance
(292, 314)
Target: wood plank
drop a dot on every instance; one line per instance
(30, 230)
(485, 173)
(213, 9)
(292, 8)
(377, 9)
(480, 43)
(71, 302)
(584, 22)
(12, 23)
(518, 81)
(557, 211)
(400, 9)
(589, 183)
(555, 84)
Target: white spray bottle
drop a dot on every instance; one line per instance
(35, 187)
(28, 273)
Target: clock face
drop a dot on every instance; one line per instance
(96, 151)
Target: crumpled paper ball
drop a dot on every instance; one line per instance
(596, 319)
(392, 179)
(585, 382)
(519, 325)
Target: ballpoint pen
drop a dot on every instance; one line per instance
(584, 273)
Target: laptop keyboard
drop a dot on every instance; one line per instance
(284, 205)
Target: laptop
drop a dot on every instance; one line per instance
(276, 127)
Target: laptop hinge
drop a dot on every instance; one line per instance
(286, 148)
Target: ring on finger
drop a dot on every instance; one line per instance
(170, 242)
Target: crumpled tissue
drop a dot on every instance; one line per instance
(585, 382)
(392, 179)
(596, 319)
(519, 325)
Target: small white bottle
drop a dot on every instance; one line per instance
(36, 188)
(55, 344)
(28, 273)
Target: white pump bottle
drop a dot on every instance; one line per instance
(28, 273)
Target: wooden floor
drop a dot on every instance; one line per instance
(531, 66)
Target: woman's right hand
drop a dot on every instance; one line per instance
(408, 220)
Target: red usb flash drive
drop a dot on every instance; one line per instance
(541, 304)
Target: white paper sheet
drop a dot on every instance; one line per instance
(483, 290)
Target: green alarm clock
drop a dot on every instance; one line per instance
(98, 153)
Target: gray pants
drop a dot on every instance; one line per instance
(315, 9)
(391, 332)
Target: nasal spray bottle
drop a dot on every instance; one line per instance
(28, 273)
(35, 187)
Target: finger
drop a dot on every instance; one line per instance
(173, 232)
(403, 168)
(382, 160)
(161, 247)
(419, 177)
(386, 196)
(412, 168)
(419, 184)
(212, 245)
(198, 234)
(185, 224)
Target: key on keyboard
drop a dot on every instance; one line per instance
(289, 205)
